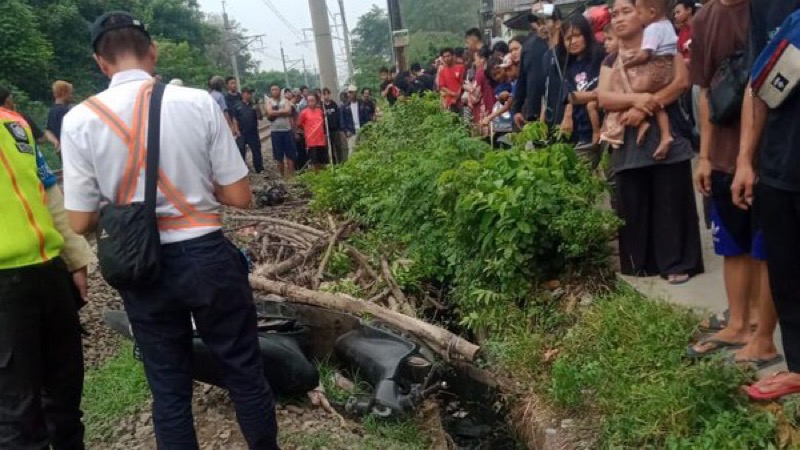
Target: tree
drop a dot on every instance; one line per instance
(26, 54)
(371, 47)
(454, 16)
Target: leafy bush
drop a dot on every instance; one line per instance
(492, 224)
(623, 361)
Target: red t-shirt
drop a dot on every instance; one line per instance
(312, 121)
(451, 78)
(685, 42)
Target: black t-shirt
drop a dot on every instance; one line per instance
(391, 94)
(779, 155)
(55, 117)
(332, 114)
(247, 116)
(232, 99)
(35, 130)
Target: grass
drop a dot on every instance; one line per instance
(116, 389)
(623, 362)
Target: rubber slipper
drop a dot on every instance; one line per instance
(714, 322)
(756, 394)
(717, 346)
(676, 280)
(757, 363)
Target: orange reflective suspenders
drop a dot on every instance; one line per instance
(135, 138)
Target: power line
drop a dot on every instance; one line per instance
(280, 16)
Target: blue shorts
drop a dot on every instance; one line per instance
(283, 145)
(735, 230)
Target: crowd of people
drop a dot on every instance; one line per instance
(647, 82)
(641, 80)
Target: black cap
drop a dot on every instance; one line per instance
(248, 89)
(115, 20)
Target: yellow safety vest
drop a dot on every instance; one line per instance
(27, 234)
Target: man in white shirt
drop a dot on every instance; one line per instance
(203, 276)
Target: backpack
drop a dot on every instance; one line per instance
(776, 72)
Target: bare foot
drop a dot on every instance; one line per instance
(663, 149)
(777, 382)
(643, 129)
(725, 335)
(757, 349)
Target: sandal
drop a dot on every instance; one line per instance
(717, 345)
(714, 322)
(678, 279)
(756, 363)
(756, 394)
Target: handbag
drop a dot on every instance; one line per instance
(726, 92)
(776, 72)
(129, 244)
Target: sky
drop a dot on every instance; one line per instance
(258, 18)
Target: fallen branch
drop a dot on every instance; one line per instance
(362, 260)
(328, 252)
(443, 342)
(286, 223)
(381, 296)
(294, 261)
(396, 291)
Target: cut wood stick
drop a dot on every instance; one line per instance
(362, 260)
(285, 223)
(443, 342)
(328, 251)
(387, 276)
(331, 223)
(292, 262)
(381, 296)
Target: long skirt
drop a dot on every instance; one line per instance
(661, 233)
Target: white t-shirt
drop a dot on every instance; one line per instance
(660, 38)
(356, 119)
(197, 150)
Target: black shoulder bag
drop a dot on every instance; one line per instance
(128, 243)
(726, 93)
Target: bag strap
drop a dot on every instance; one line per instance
(153, 149)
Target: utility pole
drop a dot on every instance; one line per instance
(324, 44)
(348, 51)
(229, 39)
(305, 71)
(285, 72)
(396, 24)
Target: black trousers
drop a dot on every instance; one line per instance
(204, 279)
(661, 233)
(252, 140)
(778, 215)
(41, 360)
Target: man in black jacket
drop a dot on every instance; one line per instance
(527, 103)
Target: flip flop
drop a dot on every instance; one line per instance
(718, 346)
(757, 363)
(714, 322)
(678, 279)
(756, 394)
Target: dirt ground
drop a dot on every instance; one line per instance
(302, 426)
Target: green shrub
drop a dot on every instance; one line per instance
(624, 361)
(491, 224)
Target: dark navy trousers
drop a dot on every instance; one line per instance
(205, 279)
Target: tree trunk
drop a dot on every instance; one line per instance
(443, 342)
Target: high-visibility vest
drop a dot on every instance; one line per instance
(27, 234)
(135, 138)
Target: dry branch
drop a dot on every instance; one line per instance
(362, 260)
(381, 296)
(294, 261)
(396, 291)
(443, 342)
(286, 223)
(332, 243)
